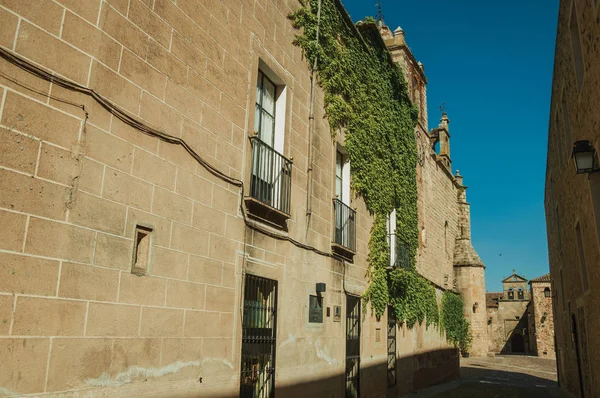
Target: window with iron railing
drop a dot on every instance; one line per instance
(271, 172)
(271, 180)
(345, 225)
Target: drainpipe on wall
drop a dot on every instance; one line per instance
(311, 125)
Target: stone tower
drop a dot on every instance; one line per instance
(469, 273)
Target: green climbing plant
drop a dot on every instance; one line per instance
(453, 322)
(366, 96)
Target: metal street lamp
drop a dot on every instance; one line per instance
(584, 155)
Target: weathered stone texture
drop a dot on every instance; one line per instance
(72, 314)
(572, 200)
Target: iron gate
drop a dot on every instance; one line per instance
(391, 347)
(259, 324)
(352, 347)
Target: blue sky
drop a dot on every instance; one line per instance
(491, 63)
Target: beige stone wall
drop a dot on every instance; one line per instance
(543, 318)
(471, 284)
(72, 315)
(573, 117)
(510, 317)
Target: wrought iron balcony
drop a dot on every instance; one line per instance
(345, 227)
(270, 181)
(400, 252)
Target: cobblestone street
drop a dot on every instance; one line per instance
(500, 377)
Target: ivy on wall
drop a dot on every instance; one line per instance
(366, 96)
(457, 328)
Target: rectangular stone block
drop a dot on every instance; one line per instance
(203, 89)
(201, 140)
(46, 14)
(154, 169)
(184, 50)
(113, 252)
(32, 195)
(122, 30)
(160, 115)
(53, 239)
(28, 275)
(181, 294)
(141, 73)
(134, 136)
(97, 213)
(127, 353)
(6, 313)
(169, 263)
(97, 115)
(161, 322)
(23, 365)
(57, 164)
(39, 120)
(113, 320)
(186, 350)
(161, 227)
(88, 38)
(149, 22)
(205, 270)
(142, 290)
(88, 283)
(219, 299)
(126, 189)
(216, 123)
(108, 149)
(202, 324)
(222, 248)
(217, 347)
(11, 73)
(48, 317)
(8, 29)
(178, 155)
(12, 232)
(174, 17)
(159, 57)
(207, 45)
(78, 363)
(172, 206)
(85, 9)
(18, 151)
(194, 187)
(183, 101)
(190, 240)
(51, 52)
(226, 200)
(113, 86)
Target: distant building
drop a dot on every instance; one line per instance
(520, 321)
(508, 317)
(541, 318)
(572, 197)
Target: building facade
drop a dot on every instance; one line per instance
(572, 201)
(508, 317)
(541, 317)
(133, 263)
(520, 320)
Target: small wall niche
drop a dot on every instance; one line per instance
(141, 251)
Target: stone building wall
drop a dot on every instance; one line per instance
(572, 199)
(510, 317)
(543, 320)
(76, 184)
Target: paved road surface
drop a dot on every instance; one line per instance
(504, 376)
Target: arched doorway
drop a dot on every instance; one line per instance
(517, 343)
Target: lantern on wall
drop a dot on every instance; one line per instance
(584, 156)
